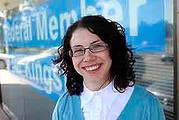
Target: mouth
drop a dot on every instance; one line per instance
(92, 68)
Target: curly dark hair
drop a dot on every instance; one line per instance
(121, 54)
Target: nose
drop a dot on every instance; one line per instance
(88, 56)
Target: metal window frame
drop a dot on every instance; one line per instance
(176, 58)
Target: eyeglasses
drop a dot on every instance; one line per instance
(79, 50)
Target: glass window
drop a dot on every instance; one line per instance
(154, 70)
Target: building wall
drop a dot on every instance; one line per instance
(177, 31)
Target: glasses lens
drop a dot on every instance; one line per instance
(98, 47)
(77, 51)
(80, 50)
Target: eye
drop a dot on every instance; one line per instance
(98, 46)
(77, 48)
(78, 51)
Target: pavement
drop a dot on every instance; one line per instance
(3, 115)
(20, 101)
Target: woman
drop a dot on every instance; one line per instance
(100, 84)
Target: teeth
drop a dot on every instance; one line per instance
(92, 68)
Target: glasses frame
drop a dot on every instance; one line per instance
(90, 49)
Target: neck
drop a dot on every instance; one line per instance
(96, 85)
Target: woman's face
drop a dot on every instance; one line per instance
(94, 67)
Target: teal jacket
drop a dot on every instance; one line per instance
(142, 105)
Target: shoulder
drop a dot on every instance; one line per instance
(142, 93)
(62, 99)
(149, 103)
(65, 105)
(66, 99)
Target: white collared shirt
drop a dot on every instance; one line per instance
(105, 104)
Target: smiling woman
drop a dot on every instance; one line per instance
(93, 64)
(98, 65)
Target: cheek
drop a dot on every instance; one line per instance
(107, 57)
(76, 64)
(109, 62)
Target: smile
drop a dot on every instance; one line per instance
(91, 68)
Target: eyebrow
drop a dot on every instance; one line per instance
(96, 41)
